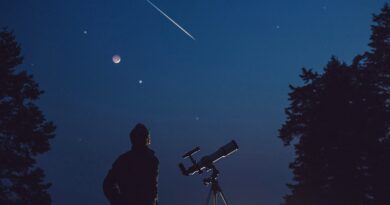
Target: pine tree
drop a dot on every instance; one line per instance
(24, 131)
(377, 64)
(339, 122)
(324, 118)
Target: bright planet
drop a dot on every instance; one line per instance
(116, 59)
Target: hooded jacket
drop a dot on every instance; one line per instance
(132, 179)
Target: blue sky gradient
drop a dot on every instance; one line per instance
(230, 83)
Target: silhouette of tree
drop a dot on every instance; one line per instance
(324, 116)
(339, 124)
(24, 131)
(377, 65)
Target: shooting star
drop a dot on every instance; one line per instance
(169, 18)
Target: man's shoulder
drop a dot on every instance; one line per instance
(122, 158)
(153, 155)
(149, 154)
(136, 155)
(155, 159)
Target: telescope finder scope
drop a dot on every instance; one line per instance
(190, 153)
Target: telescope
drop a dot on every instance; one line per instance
(206, 162)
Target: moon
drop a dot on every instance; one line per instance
(116, 59)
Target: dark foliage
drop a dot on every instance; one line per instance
(339, 124)
(24, 131)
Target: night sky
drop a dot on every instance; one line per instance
(229, 83)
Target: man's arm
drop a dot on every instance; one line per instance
(153, 181)
(110, 187)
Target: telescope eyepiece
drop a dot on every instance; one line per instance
(183, 169)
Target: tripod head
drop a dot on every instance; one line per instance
(212, 179)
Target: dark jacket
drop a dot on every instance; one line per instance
(132, 179)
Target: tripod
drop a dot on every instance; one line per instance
(215, 189)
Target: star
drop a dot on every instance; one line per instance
(277, 27)
(197, 118)
(140, 81)
(85, 32)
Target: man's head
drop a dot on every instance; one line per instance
(139, 136)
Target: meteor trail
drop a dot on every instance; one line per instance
(169, 18)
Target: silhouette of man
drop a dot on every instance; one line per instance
(132, 179)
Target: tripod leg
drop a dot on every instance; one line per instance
(209, 197)
(223, 197)
(215, 197)
(220, 192)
